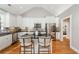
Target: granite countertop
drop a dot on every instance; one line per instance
(4, 33)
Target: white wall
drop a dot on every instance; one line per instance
(74, 11)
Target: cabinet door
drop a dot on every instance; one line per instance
(5, 41)
(8, 39)
(2, 43)
(14, 37)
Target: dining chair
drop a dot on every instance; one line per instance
(26, 45)
(44, 44)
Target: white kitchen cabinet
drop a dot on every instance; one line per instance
(5, 41)
(13, 20)
(9, 20)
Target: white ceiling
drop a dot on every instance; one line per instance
(20, 9)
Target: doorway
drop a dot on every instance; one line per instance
(66, 27)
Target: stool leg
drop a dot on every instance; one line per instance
(48, 49)
(20, 50)
(38, 49)
(24, 45)
(33, 48)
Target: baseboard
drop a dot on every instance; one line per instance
(76, 50)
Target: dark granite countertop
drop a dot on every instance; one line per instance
(4, 33)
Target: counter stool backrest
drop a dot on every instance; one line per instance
(44, 41)
(25, 41)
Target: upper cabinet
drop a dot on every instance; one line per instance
(2, 23)
(7, 19)
(10, 20)
(13, 20)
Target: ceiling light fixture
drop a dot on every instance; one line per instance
(9, 4)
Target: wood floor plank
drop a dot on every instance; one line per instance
(62, 47)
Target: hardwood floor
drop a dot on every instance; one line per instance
(62, 47)
(58, 48)
(13, 49)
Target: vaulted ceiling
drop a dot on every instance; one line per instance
(49, 9)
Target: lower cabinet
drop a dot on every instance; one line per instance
(5, 41)
(14, 37)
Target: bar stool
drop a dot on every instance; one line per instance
(26, 45)
(44, 44)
